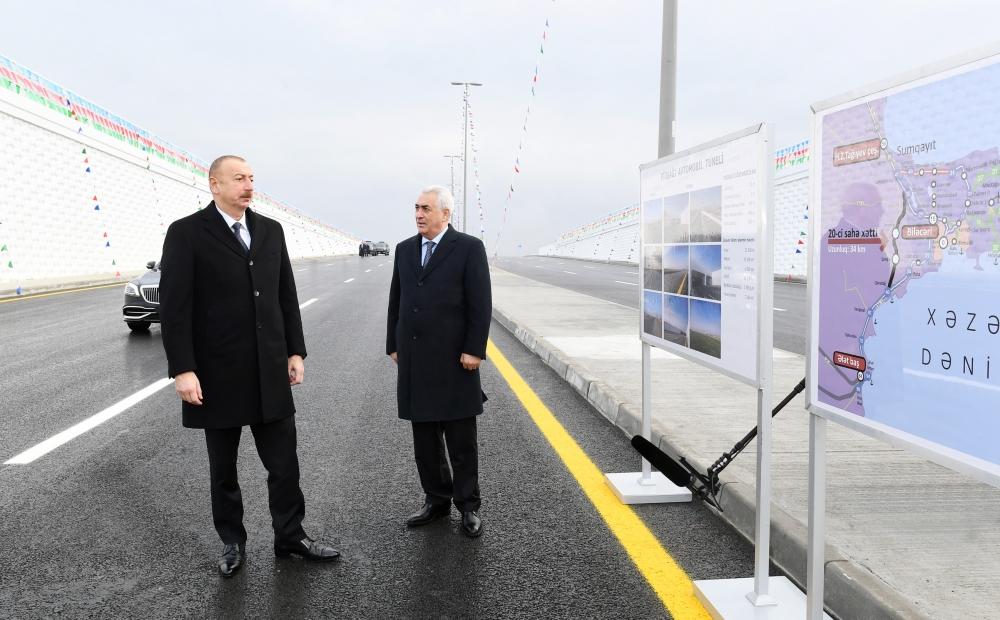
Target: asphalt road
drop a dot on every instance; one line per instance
(620, 284)
(117, 521)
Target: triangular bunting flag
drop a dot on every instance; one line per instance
(118, 274)
(97, 207)
(106, 236)
(88, 169)
(94, 198)
(4, 248)
(107, 244)
(84, 151)
(114, 262)
(18, 290)
(800, 242)
(10, 264)
(798, 251)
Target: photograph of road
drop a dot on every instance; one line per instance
(675, 319)
(652, 306)
(652, 273)
(676, 219)
(706, 271)
(652, 221)
(675, 269)
(706, 215)
(706, 327)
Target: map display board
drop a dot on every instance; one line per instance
(701, 226)
(905, 271)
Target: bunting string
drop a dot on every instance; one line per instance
(522, 140)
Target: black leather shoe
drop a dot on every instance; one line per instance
(472, 525)
(232, 559)
(307, 549)
(429, 512)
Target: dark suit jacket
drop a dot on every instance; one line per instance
(231, 318)
(436, 313)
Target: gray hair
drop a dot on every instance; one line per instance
(445, 200)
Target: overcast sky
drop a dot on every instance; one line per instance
(345, 109)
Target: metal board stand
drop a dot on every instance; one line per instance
(647, 486)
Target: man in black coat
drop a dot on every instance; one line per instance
(440, 307)
(233, 336)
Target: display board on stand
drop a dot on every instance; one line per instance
(904, 271)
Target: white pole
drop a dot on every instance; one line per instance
(765, 362)
(465, 160)
(817, 517)
(647, 406)
(762, 531)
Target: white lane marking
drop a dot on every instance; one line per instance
(632, 273)
(298, 270)
(348, 280)
(368, 270)
(380, 264)
(537, 266)
(572, 273)
(50, 444)
(76, 430)
(780, 310)
(586, 267)
(629, 283)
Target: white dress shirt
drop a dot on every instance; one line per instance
(244, 231)
(436, 240)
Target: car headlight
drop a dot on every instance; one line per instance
(131, 289)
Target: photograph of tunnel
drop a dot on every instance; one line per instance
(706, 215)
(706, 327)
(706, 271)
(675, 269)
(675, 319)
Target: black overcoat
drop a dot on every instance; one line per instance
(231, 318)
(436, 313)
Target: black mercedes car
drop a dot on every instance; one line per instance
(142, 299)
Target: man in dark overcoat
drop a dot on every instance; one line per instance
(232, 332)
(440, 306)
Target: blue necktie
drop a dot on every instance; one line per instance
(428, 250)
(236, 230)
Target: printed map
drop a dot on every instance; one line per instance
(909, 282)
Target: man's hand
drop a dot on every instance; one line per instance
(395, 358)
(470, 362)
(296, 369)
(188, 387)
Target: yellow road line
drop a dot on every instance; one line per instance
(664, 575)
(72, 290)
(680, 287)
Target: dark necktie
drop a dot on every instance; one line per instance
(236, 230)
(428, 250)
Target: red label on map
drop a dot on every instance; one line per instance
(857, 152)
(919, 231)
(847, 360)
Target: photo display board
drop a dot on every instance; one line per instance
(700, 233)
(905, 271)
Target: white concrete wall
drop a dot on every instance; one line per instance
(86, 196)
(615, 237)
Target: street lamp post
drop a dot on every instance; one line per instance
(452, 158)
(465, 152)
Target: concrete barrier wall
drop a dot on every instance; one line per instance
(86, 196)
(615, 237)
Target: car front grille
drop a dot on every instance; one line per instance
(151, 294)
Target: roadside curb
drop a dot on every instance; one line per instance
(851, 590)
